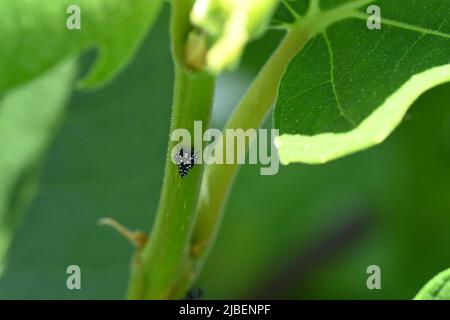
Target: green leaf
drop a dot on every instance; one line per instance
(350, 87)
(35, 36)
(437, 288)
(231, 24)
(29, 116)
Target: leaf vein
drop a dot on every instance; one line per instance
(407, 51)
(405, 26)
(333, 81)
(307, 90)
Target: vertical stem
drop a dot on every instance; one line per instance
(157, 266)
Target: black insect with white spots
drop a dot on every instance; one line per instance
(185, 160)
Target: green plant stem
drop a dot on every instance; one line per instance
(218, 178)
(156, 267)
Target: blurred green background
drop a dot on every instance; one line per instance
(308, 232)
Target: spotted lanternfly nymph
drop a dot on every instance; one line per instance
(185, 160)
